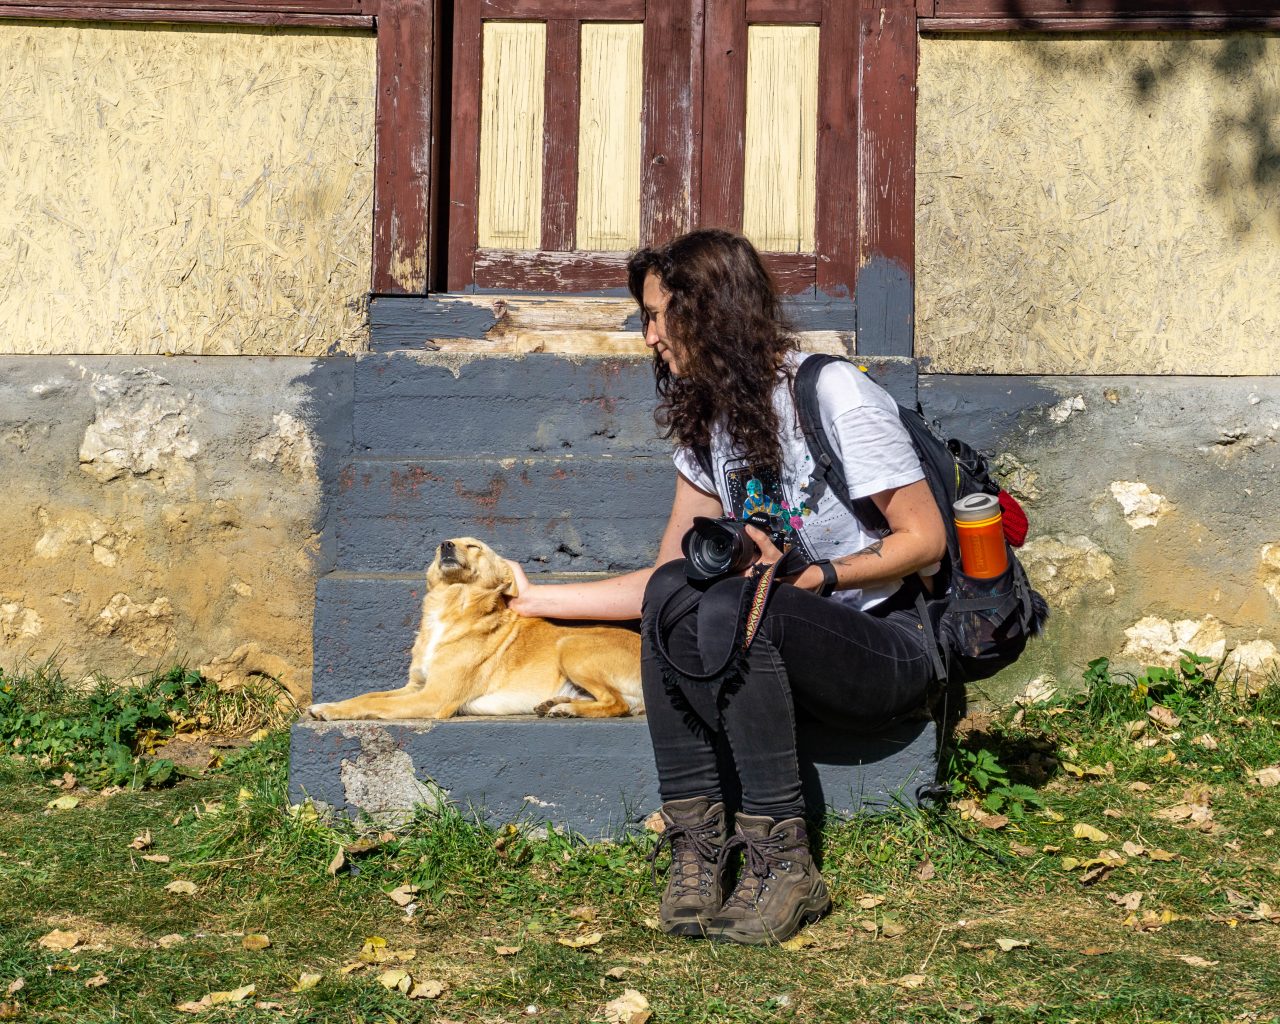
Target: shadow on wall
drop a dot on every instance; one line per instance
(1245, 113)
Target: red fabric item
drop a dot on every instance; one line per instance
(1015, 520)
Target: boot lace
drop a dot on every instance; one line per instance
(760, 857)
(694, 857)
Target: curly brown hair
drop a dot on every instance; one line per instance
(733, 338)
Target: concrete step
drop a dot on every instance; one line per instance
(565, 513)
(364, 628)
(594, 777)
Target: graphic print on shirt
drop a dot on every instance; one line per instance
(750, 492)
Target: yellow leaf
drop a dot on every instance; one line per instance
(351, 968)
(260, 735)
(63, 803)
(870, 902)
(97, 981)
(1198, 961)
(507, 950)
(156, 858)
(58, 939)
(236, 995)
(586, 914)
(427, 990)
(338, 862)
(170, 940)
(255, 941)
(1158, 854)
(892, 929)
(306, 982)
(1050, 815)
(578, 941)
(909, 981)
(1010, 944)
(799, 941)
(1133, 849)
(16, 986)
(1086, 831)
(629, 1008)
(1070, 863)
(404, 895)
(244, 796)
(141, 842)
(395, 979)
(1073, 769)
(1267, 777)
(181, 888)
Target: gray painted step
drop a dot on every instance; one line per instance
(593, 777)
(565, 513)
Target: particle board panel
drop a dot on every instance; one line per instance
(1095, 205)
(609, 136)
(781, 139)
(511, 114)
(190, 190)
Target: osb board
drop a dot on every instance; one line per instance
(781, 138)
(609, 136)
(1099, 205)
(511, 113)
(184, 190)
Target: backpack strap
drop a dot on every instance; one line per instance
(824, 456)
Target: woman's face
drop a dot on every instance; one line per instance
(655, 333)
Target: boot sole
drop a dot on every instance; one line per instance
(813, 909)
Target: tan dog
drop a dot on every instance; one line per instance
(475, 656)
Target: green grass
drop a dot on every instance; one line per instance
(260, 867)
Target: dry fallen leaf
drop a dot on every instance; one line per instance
(58, 939)
(181, 888)
(1095, 951)
(1155, 853)
(338, 863)
(374, 950)
(1133, 849)
(1086, 831)
(1267, 776)
(1198, 961)
(170, 940)
(10, 1011)
(1111, 812)
(237, 995)
(352, 967)
(799, 941)
(616, 973)
(586, 914)
(926, 871)
(629, 1008)
(255, 941)
(156, 858)
(870, 902)
(141, 842)
(1022, 850)
(909, 981)
(403, 895)
(1129, 901)
(16, 986)
(306, 982)
(1138, 787)
(97, 981)
(429, 989)
(892, 929)
(507, 950)
(1010, 944)
(396, 979)
(63, 803)
(1206, 741)
(578, 941)
(1163, 717)
(654, 823)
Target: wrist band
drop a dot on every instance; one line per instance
(829, 577)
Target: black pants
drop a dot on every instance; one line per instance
(812, 655)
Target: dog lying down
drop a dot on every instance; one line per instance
(475, 656)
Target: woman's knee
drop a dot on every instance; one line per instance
(666, 580)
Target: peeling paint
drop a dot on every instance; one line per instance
(1065, 569)
(1142, 507)
(145, 628)
(383, 781)
(1064, 410)
(142, 428)
(288, 447)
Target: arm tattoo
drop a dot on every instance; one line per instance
(871, 549)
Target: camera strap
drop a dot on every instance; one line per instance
(751, 609)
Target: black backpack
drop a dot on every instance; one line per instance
(980, 625)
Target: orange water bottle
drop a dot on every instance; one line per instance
(980, 529)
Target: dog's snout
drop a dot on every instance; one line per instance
(447, 548)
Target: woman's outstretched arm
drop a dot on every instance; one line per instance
(618, 597)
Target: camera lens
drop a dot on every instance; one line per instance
(717, 547)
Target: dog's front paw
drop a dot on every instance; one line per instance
(565, 710)
(320, 711)
(542, 709)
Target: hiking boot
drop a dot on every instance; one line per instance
(779, 890)
(695, 832)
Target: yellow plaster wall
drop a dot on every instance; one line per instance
(184, 190)
(1099, 205)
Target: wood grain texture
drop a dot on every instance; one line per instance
(609, 137)
(784, 12)
(725, 114)
(464, 146)
(178, 16)
(1132, 25)
(520, 270)
(837, 227)
(405, 143)
(566, 10)
(669, 135)
(886, 143)
(793, 273)
(780, 141)
(511, 132)
(1085, 9)
(560, 137)
(230, 6)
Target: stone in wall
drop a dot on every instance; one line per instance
(1269, 569)
(244, 665)
(288, 446)
(141, 428)
(18, 624)
(1066, 569)
(1156, 641)
(1249, 666)
(146, 628)
(1141, 506)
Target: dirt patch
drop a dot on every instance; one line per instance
(200, 752)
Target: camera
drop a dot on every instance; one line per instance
(716, 548)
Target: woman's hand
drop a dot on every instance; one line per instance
(520, 602)
(768, 551)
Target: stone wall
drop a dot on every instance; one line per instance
(164, 510)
